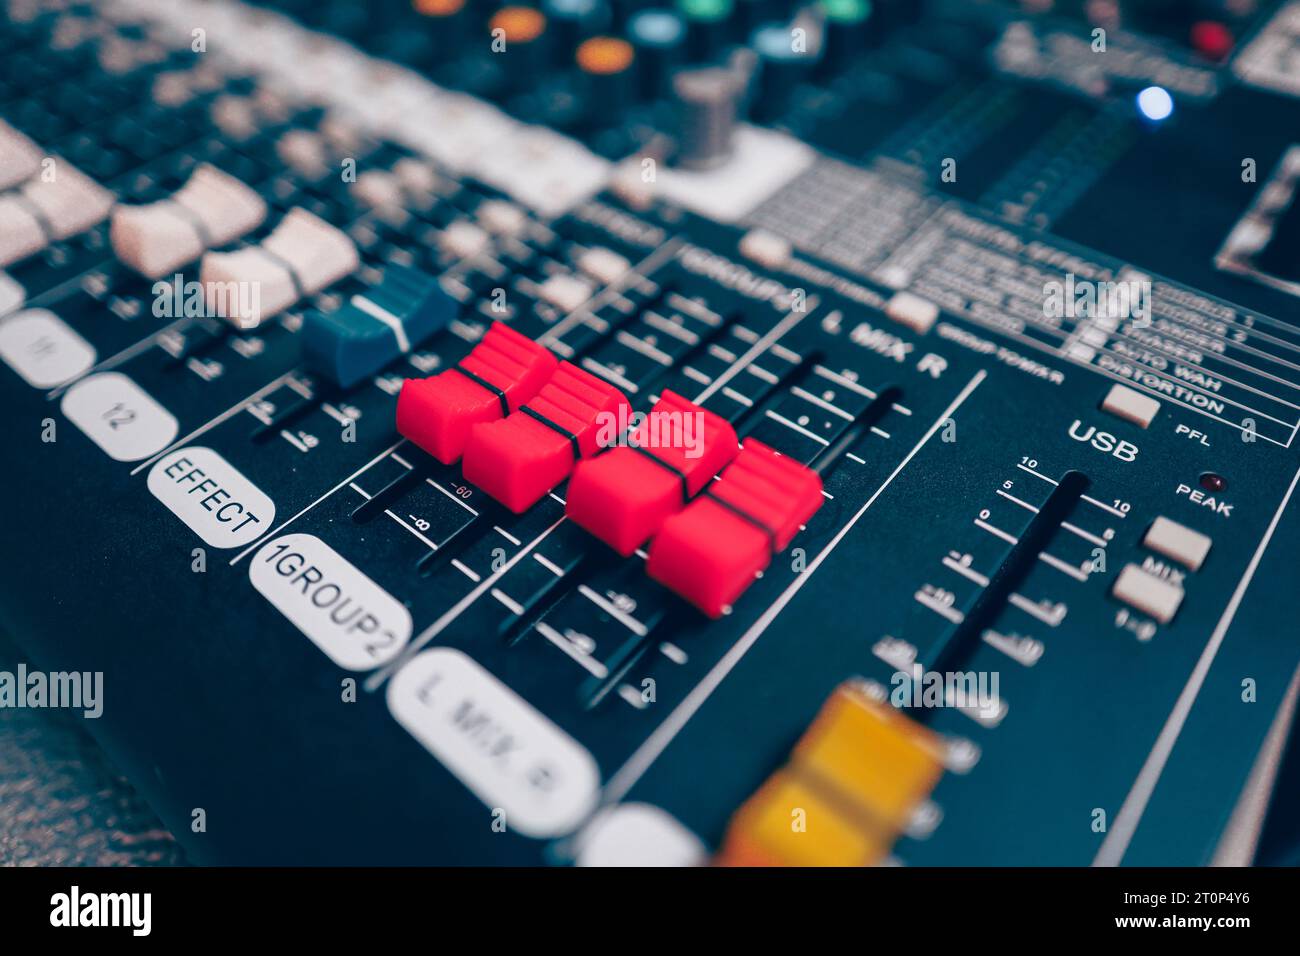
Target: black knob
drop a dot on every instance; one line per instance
(708, 27)
(785, 59)
(520, 45)
(848, 29)
(607, 67)
(659, 38)
(571, 22)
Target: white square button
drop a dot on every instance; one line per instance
(1149, 594)
(1178, 542)
(1131, 406)
(916, 313)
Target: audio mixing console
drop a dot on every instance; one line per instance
(593, 431)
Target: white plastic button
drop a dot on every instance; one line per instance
(638, 834)
(1149, 594)
(40, 347)
(12, 294)
(319, 253)
(603, 265)
(211, 209)
(503, 218)
(119, 416)
(378, 189)
(234, 116)
(154, 239)
(258, 282)
(495, 742)
(415, 176)
(765, 248)
(19, 157)
(464, 240)
(70, 203)
(916, 313)
(1123, 402)
(304, 152)
(565, 292)
(352, 619)
(1178, 542)
(212, 497)
(21, 234)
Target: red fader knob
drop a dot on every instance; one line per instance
(520, 458)
(624, 495)
(710, 551)
(503, 371)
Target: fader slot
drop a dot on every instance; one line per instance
(956, 642)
